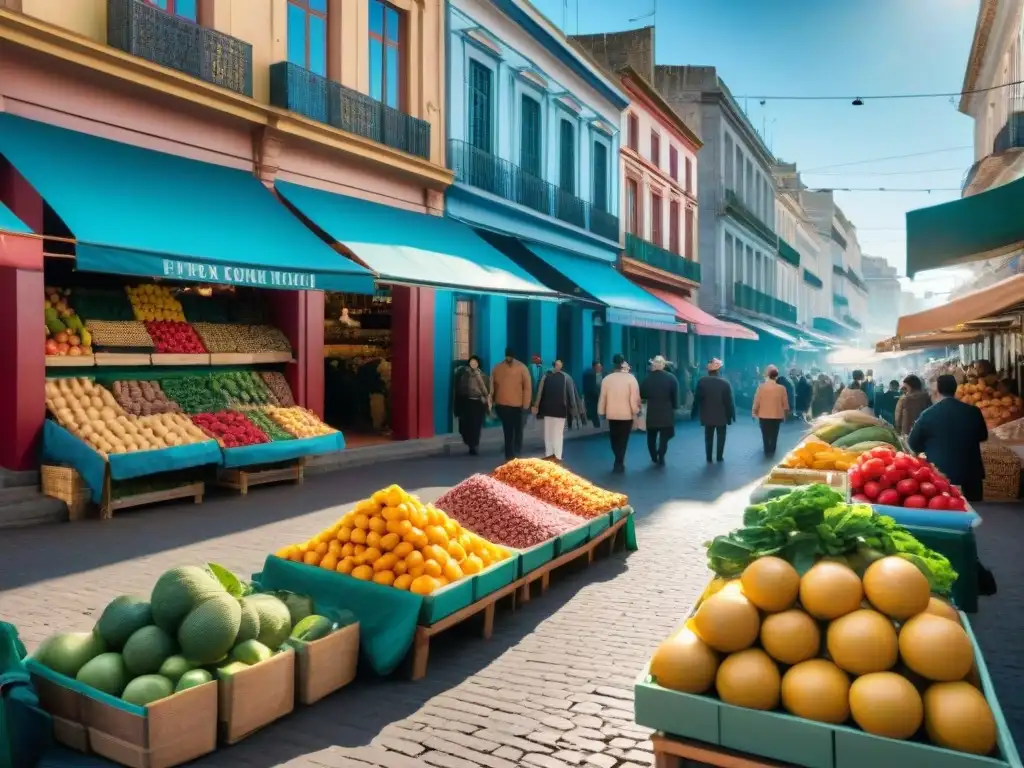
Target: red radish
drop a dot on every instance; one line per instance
(881, 452)
(915, 502)
(941, 486)
(856, 479)
(871, 490)
(928, 489)
(884, 482)
(889, 498)
(893, 476)
(907, 487)
(902, 462)
(955, 491)
(914, 462)
(873, 468)
(957, 504)
(938, 502)
(923, 475)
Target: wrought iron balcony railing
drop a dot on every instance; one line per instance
(812, 279)
(171, 41)
(788, 253)
(660, 258)
(753, 300)
(298, 90)
(1010, 135)
(490, 173)
(738, 208)
(839, 300)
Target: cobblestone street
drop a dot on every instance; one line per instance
(552, 688)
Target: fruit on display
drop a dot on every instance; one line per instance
(850, 429)
(152, 302)
(232, 429)
(998, 405)
(504, 515)
(395, 540)
(892, 478)
(278, 386)
(559, 487)
(269, 427)
(237, 338)
(817, 454)
(299, 421)
(65, 332)
(143, 398)
(865, 671)
(185, 634)
(242, 388)
(195, 394)
(174, 337)
(116, 334)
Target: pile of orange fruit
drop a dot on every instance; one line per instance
(393, 539)
(559, 487)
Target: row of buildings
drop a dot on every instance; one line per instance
(503, 185)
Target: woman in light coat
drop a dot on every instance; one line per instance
(771, 404)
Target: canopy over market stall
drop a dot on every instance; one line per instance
(703, 323)
(1000, 300)
(928, 341)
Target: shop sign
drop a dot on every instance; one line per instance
(236, 275)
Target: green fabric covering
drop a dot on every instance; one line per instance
(25, 729)
(962, 550)
(630, 531)
(387, 616)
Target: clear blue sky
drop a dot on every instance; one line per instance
(829, 48)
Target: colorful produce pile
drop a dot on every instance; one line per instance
(814, 522)
(299, 421)
(854, 430)
(65, 333)
(194, 394)
(559, 487)
(174, 337)
(997, 406)
(812, 645)
(817, 454)
(894, 479)
(143, 398)
(154, 302)
(242, 388)
(115, 334)
(231, 429)
(234, 338)
(395, 540)
(278, 386)
(504, 515)
(198, 624)
(269, 427)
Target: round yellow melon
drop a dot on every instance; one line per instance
(727, 621)
(936, 648)
(830, 590)
(817, 690)
(684, 663)
(791, 636)
(956, 716)
(862, 642)
(939, 607)
(886, 704)
(749, 679)
(771, 584)
(896, 587)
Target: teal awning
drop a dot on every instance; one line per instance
(136, 211)
(760, 325)
(788, 253)
(982, 226)
(627, 304)
(414, 248)
(11, 223)
(812, 279)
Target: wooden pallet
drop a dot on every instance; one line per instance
(241, 479)
(109, 504)
(672, 752)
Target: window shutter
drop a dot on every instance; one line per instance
(600, 176)
(567, 158)
(480, 79)
(529, 137)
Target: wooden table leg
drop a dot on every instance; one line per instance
(545, 582)
(590, 555)
(489, 612)
(420, 654)
(523, 593)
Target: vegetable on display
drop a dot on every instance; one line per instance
(231, 428)
(894, 479)
(194, 394)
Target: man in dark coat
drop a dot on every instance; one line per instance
(787, 384)
(661, 392)
(950, 434)
(804, 392)
(714, 405)
(592, 391)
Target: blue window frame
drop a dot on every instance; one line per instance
(567, 157)
(386, 54)
(185, 9)
(481, 93)
(307, 35)
(600, 199)
(530, 136)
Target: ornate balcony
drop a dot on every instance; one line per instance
(753, 300)
(654, 256)
(788, 253)
(507, 180)
(171, 41)
(812, 279)
(298, 90)
(738, 209)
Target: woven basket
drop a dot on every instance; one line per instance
(1002, 473)
(66, 484)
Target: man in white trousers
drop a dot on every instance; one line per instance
(556, 401)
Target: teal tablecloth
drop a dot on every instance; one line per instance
(283, 450)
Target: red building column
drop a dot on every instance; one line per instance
(412, 362)
(300, 315)
(22, 328)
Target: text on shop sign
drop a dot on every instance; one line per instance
(211, 273)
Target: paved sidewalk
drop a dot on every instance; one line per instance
(552, 688)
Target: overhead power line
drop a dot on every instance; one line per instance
(886, 189)
(887, 173)
(887, 96)
(884, 159)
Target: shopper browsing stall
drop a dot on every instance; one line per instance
(911, 405)
(511, 391)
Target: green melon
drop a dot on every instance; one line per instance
(123, 616)
(147, 689)
(174, 667)
(106, 673)
(249, 629)
(147, 649)
(312, 628)
(67, 652)
(192, 678)
(275, 620)
(251, 652)
(209, 631)
(178, 591)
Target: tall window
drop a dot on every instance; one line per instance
(567, 157)
(307, 35)
(673, 226)
(748, 185)
(728, 162)
(656, 219)
(633, 132)
(386, 46)
(673, 163)
(529, 136)
(688, 181)
(655, 148)
(600, 198)
(185, 9)
(738, 187)
(688, 233)
(632, 207)
(480, 114)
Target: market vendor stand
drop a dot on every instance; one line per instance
(241, 479)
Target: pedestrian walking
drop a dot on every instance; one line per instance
(592, 391)
(556, 401)
(619, 402)
(911, 405)
(713, 404)
(823, 397)
(885, 402)
(771, 403)
(852, 398)
(788, 384)
(511, 391)
(472, 402)
(660, 390)
(804, 393)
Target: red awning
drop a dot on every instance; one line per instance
(705, 324)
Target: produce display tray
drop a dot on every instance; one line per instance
(932, 518)
(163, 358)
(233, 358)
(494, 577)
(123, 358)
(786, 476)
(795, 741)
(621, 512)
(68, 361)
(272, 357)
(599, 524)
(533, 558)
(573, 539)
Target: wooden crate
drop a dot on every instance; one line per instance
(682, 753)
(109, 504)
(242, 479)
(66, 484)
(1002, 473)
